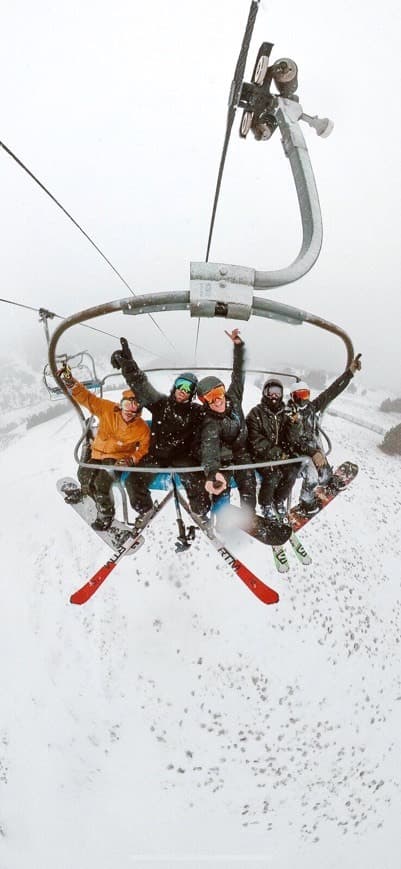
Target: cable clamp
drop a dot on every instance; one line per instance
(221, 290)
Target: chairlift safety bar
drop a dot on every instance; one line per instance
(176, 301)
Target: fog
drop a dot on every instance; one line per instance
(120, 110)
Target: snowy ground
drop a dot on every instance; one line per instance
(174, 718)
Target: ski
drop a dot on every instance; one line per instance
(280, 559)
(300, 550)
(262, 591)
(280, 555)
(88, 590)
(132, 543)
(273, 532)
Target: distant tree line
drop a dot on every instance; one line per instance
(389, 405)
(391, 443)
(44, 415)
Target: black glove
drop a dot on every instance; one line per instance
(123, 359)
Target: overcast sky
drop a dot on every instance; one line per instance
(120, 110)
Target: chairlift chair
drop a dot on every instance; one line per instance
(82, 367)
(225, 290)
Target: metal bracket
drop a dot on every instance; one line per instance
(221, 290)
(44, 316)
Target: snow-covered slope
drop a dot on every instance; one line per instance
(174, 717)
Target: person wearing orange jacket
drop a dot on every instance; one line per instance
(122, 438)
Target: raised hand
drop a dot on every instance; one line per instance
(122, 359)
(234, 335)
(356, 364)
(65, 375)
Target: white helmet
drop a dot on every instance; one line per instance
(300, 391)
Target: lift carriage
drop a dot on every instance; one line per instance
(81, 365)
(223, 290)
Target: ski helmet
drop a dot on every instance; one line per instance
(206, 385)
(300, 391)
(273, 387)
(187, 381)
(129, 395)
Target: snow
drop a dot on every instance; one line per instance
(176, 721)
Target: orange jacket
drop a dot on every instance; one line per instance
(115, 438)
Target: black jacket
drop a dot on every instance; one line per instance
(265, 431)
(176, 426)
(224, 435)
(302, 421)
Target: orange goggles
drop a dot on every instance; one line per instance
(128, 403)
(213, 394)
(301, 395)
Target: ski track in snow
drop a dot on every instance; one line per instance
(174, 715)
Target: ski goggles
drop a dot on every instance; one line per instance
(301, 394)
(274, 391)
(128, 403)
(213, 394)
(184, 385)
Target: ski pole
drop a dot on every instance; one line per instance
(182, 542)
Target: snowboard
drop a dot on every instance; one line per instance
(118, 532)
(342, 477)
(269, 532)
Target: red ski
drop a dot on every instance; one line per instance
(256, 586)
(83, 594)
(132, 543)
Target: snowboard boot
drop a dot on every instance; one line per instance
(142, 518)
(73, 496)
(269, 513)
(281, 509)
(309, 508)
(335, 485)
(102, 522)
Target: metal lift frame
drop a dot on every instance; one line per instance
(225, 290)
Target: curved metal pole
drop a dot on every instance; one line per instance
(180, 301)
(74, 320)
(295, 149)
(312, 228)
(296, 316)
